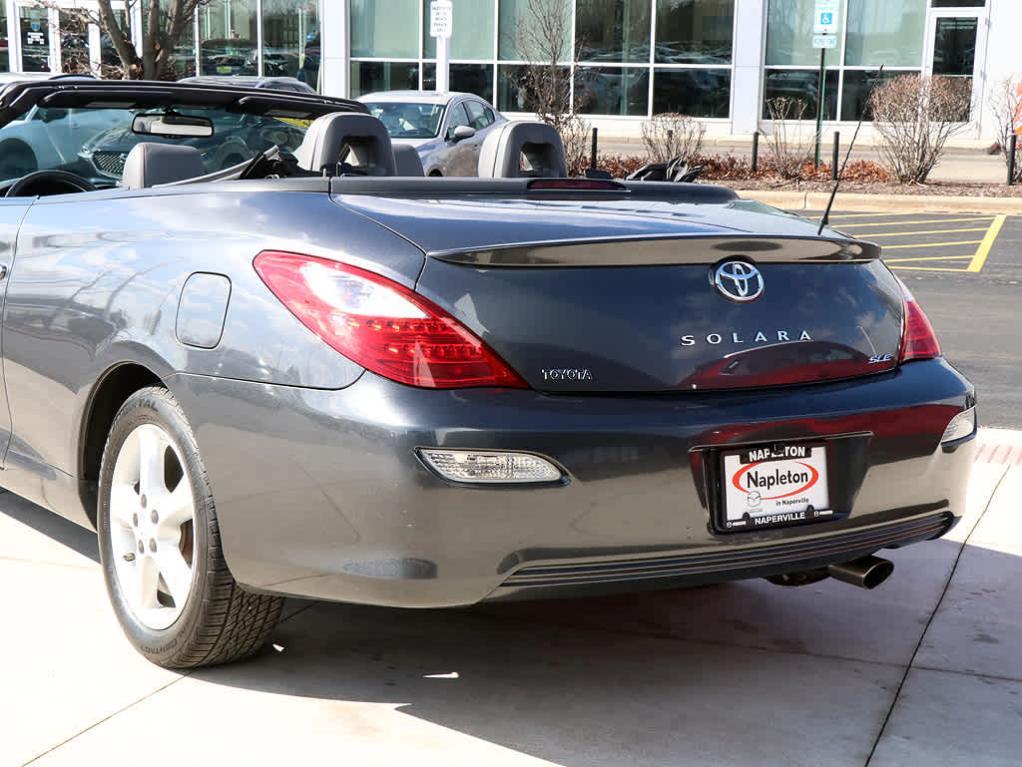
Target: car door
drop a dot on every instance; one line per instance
(460, 158)
(12, 213)
(481, 118)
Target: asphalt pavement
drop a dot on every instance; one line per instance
(924, 670)
(966, 272)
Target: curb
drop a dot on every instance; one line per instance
(886, 203)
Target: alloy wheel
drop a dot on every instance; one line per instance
(152, 526)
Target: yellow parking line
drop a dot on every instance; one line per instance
(929, 269)
(920, 223)
(933, 231)
(933, 245)
(987, 245)
(868, 215)
(929, 258)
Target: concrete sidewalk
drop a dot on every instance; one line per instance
(926, 670)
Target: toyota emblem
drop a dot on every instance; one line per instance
(738, 281)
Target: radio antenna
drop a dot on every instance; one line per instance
(848, 155)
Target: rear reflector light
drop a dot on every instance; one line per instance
(918, 340)
(568, 184)
(961, 426)
(381, 325)
(490, 467)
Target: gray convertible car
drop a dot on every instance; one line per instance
(310, 375)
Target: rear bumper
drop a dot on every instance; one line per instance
(320, 493)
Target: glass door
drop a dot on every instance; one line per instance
(34, 28)
(953, 42)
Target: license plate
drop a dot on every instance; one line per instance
(775, 486)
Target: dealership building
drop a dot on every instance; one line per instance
(718, 60)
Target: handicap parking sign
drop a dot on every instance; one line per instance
(825, 20)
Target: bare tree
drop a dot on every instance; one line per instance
(915, 116)
(545, 84)
(166, 24)
(791, 142)
(1006, 105)
(670, 135)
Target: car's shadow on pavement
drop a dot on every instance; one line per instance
(743, 673)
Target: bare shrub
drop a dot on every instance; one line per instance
(1006, 104)
(671, 135)
(791, 142)
(915, 116)
(575, 137)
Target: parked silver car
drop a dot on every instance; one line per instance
(446, 129)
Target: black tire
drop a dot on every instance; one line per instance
(220, 622)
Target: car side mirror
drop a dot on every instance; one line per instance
(461, 133)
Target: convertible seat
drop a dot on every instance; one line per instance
(407, 161)
(522, 149)
(360, 140)
(149, 165)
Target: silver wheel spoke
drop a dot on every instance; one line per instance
(124, 503)
(175, 571)
(177, 507)
(147, 580)
(150, 465)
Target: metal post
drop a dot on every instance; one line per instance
(592, 156)
(755, 152)
(1012, 158)
(821, 95)
(443, 65)
(835, 161)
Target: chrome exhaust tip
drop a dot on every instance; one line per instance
(866, 573)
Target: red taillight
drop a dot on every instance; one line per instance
(383, 326)
(918, 341)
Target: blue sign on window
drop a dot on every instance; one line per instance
(826, 18)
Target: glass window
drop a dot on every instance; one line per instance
(372, 76)
(801, 85)
(612, 30)
(693, 92)
(291, 39)
(384, 28)
(228, 30)
(35, 39)
(790, 33)
(479, 116)
(954, 47)
(456, 118)
(74, 42)
(473, 30)
(184, 54)
(404, 119)
(694, 31)
(5, 55)
(859, 84)
(512, 91)
(465, 78)
(885, 32)
(612, 91)
(525, 36)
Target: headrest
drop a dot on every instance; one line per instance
(150, 164)
(407, 160)
(360, 140)
(521, 148)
